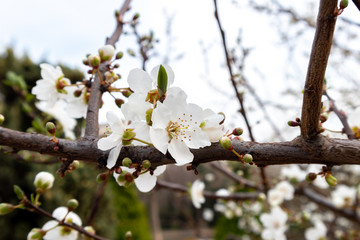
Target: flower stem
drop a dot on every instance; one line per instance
(239, 156)
(333, 131)
(142, 141)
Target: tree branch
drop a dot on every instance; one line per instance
(321, 150)
(316, 70)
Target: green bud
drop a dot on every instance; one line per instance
(89, 229)
(162, 81)
(72, 204)
(126, 142)
(247, 158)
(148, 116)
(2, 119)
(94, 60)
(75, 165)
(129, 178)
(121, 177)
(126, 162)
(6, 208)
(36, 234)
(119, 102)
(293, 124)
(330, 179)
(50, 127)
(106, 52)
(119, 55)
(237, 131)
(126, 93)
(85, 62)
(19, 192)
(226, 143)
(129, 134)
(344, 4)
(310, 177)
(146, 164)
(262, 197)
(136, 16)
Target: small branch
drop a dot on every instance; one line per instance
(320, 52)
(232, 77)
(96, 202)
(235, 177)
(119, 25)
(38, 210)
(341, 116)
(357, 4)
(183, 189)
(319, 199)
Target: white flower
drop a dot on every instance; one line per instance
(44, 180)
(293, 171)
(222, 192)
(343, 196)
(51, 87)
(282, 191)
(176, 128)
(318, 232)
(197, 196)
(76, 106)
(107, 52)
(56, 232)
(274, 224)
(287, 189)
(114, 141)
(208, 214)
(145, 182)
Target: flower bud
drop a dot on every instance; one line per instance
(106, 52)
(72, 204)
(129, 178)
(75, 165)
(128, 235)
(330, 179)
(323, 117)
(118, 170)
(36, 234)
(237, 131)
(94, 60)
(19, 192)
(146, 164)
(126, 162)
(128, 134)
(162, 81)
(126, 93)
(136, 16)
(89, 229)
(6, 208)
(77, 93)
(310, 177)
(119, 102)
(226, 143)
(101, 177)
(131, 52)
(293, 124)
(50, 127)
(344, 4)
(262, 197)
(85, 62)
(148, 116)
(2, 119)
(43, 181)
(119, 55)
(247, 158)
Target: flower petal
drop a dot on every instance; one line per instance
(145, 182)
(109, 142)
(139, 80)
(113, 156)
(180, 152)
(159, 170)
(159, 137)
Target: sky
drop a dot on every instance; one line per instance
(65, 31)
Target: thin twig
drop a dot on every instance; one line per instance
(96, 202)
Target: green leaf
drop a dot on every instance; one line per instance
(162, 81)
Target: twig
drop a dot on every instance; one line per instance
(341, 116)
(41, 211)
(320, 52)
(234, 196)
(96, 202)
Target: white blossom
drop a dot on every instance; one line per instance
(114, 140)
(274, 224)
(282, 191)
(44, 180)
(76, 106)
(293, 171)
(208, 214)
(145, 182)
(56, 232)
(343, 196)
(318, 232)
(176, 128)
(51, 87)
(197, 196)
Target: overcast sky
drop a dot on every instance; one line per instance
(65, 31)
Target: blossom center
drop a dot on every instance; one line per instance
(179, 129)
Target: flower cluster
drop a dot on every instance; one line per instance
(158, 114)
